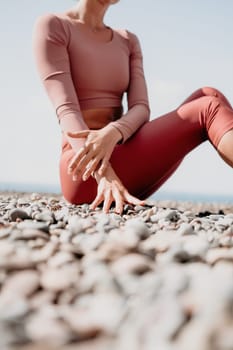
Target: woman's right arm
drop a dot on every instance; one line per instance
(50, 47)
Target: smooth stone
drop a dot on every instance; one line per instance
(89, 243)
(196, 247)
(5, 232)
(23, 201)
(226, 241)
(175, 280)
(138, 227)
(177, 253)
(33, 225)
(48, 330)
(43, 254)
(28, 234)
(224, 337)
(23, 283)
(67, 296)
(12, 307)
(65, 236)
(131, 263)
(75, 224)
(35, 196)
(6, 248)
(15, 214)
(60, 258)
(87, 318)
(186, 229)
(139, 208)
(161, 241)
(130, 239)
(224, 223)
(163, 320)
(90, 260)
(110, 251)
(216, 254)
(147, 214)
(166, 215)
(124, 238)
(44, 216)
(10, 206)
(53, 201)
(58, 225)
(97, 278)
(129, 284)
(2, 277)
(81, 323)
(37, 243)
(41, 299)
(58, 279)
(102, 220)
(16, 262)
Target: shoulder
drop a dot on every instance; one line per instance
(126, 34)
(47, 20)
(130, 37)
(52, 23)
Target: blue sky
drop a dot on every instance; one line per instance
(186, 44)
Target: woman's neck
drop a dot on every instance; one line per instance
(91, 13)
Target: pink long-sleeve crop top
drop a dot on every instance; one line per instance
(80, 73)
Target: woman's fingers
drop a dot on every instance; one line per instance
(103, 166)
(90, 168)
(133, 200)
(78, 134)
(98, 199)
(119, 202)
(107, 201)
(75, 160)
(83, 163)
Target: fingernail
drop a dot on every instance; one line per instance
(75, 178)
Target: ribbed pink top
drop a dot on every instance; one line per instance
(80, 73)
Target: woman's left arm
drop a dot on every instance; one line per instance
(137, 96)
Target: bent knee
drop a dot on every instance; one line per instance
(211, 91)
(79, 192)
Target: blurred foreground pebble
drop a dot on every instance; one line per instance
(157, 277)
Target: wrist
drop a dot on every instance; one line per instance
(95, 174)
(115, 133)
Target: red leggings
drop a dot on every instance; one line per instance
(154, 152)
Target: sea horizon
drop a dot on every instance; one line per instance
(159, 195)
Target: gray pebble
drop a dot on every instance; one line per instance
(58, 279)
(22, 283)
(34, 225)
(15, 214)
(131, 263)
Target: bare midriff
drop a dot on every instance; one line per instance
(100, 117)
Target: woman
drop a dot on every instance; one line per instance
(108, 156)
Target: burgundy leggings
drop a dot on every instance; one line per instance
(154, 152)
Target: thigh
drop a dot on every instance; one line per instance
(149, 158)
(75, 192)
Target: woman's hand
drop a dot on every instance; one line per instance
(95, 153)
(111, 189)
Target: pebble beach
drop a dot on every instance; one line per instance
(157, 277)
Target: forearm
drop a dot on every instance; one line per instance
(72, 123)
(130, 122)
